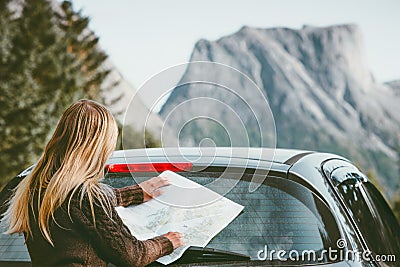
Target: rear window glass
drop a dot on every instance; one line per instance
(280, 214)
(371, 212)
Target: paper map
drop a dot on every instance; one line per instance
(186, 207)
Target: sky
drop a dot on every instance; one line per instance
(144, 37)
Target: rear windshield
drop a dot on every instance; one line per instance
(279, 215)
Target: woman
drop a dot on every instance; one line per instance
(66, 214)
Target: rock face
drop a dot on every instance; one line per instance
(395, 85)
(131, 112)
(121, 98)
(319, 88)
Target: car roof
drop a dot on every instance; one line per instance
(278, 155)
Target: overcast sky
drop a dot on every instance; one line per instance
(147, 36)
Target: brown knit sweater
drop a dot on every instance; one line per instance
(78, 242)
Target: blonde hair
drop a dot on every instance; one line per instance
(74, 157)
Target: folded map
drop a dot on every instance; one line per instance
(185, 206)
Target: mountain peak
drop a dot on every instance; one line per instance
(319, 89)
(333, 55)
(339, 27)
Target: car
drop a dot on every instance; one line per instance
(300, 207)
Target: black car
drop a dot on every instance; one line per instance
(300, 207)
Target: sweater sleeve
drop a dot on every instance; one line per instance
(113, 240)
(128, 195)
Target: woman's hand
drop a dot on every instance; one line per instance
(175, 238)
(151, 188)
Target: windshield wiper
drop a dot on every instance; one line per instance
(198, 254)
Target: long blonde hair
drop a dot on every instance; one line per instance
(74, 157)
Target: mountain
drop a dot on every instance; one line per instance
(395, 85)
(129, 110)
(319, 88)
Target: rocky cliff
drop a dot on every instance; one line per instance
(319, 88)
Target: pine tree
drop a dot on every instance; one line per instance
(81, 45)
(29, 59)
(48, 60)
(7, 30)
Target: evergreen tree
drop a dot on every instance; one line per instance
(129, 138)
(7, 30)
(83, 54)
(25, 71)
(48, 60)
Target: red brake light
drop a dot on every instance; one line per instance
(149, 167)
